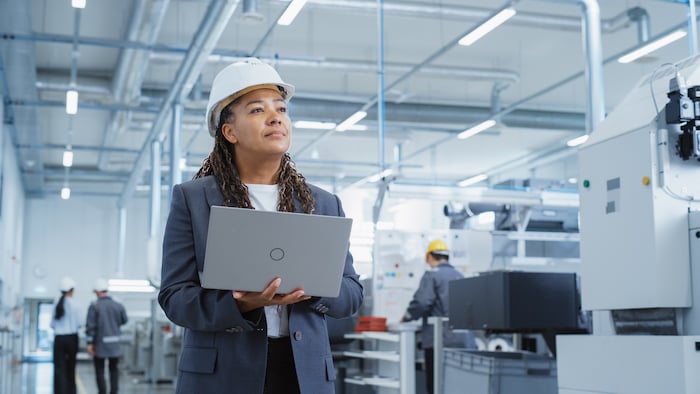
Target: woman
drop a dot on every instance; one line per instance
(65, 323)
(248, 342)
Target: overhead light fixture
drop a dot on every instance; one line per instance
(72, 102)
(308, 124)
(349, 122)
(650, 47)
(487, 124)
(65, 192)
(67, 157)
(291, 12)
(490, 24)
(472, 180)
(130, 286)
(376, 177)
(577, 141)
(78, 3)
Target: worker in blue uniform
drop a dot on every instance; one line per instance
(431, 299)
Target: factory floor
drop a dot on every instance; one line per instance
(37, 378)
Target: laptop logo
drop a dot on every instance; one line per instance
(277, 254)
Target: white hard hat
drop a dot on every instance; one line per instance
(67, 284)
(100, 285)
(237, 79)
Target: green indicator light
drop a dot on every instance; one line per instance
(586, 183)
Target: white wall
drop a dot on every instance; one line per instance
(11, 228)
(79, 238)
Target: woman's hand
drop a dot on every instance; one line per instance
(249, 300)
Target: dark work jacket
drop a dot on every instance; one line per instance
(103, 326)
(431, 299)
(225, 351)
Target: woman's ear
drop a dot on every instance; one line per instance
(228, 132)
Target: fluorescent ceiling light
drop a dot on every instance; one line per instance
(132, 289)
(72, 102)
(78, 3)
(67, 158)
(308, 124)
(577, 141)
(356, 127)
(476, 129)
(376, 177)
(130, 286)
(472, 180)
(65, 192)
(311, 125)
(487, 26)
(354, 118)
(650, 47)
(291, 12)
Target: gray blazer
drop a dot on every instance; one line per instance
(224, 350)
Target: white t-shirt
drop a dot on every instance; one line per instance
(264, 198)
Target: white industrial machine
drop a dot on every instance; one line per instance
(639, 190)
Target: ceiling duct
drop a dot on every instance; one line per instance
(250, 14)
(20, 63)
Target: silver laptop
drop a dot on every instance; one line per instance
(247, 248)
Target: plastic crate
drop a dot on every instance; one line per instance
(487, 372)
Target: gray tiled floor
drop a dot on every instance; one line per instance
(37, 378)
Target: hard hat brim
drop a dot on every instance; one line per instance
(285, 90)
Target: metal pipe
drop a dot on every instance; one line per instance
(589, 119)
(380, 84)
(444, 11)
(155, 195)
(640, 15)
(75, 53)
(176, 145)
(595, 105)
(130, 70)
(356, 66)
(208, 33)
(692, 28)
(412, 71)
(121, 240)
(594, 56)
(126, 55)
(94, 106)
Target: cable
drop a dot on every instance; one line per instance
(651, 83)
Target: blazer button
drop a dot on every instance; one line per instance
(297, 335)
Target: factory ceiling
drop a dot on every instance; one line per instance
(142, 66)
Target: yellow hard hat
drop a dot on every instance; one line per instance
(437, 246)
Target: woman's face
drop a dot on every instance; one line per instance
(259, 125)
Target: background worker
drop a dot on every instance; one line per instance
(103, 333)
(431, 299)
(236, 341)
(65, 322)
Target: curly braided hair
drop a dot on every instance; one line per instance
(222, 164)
